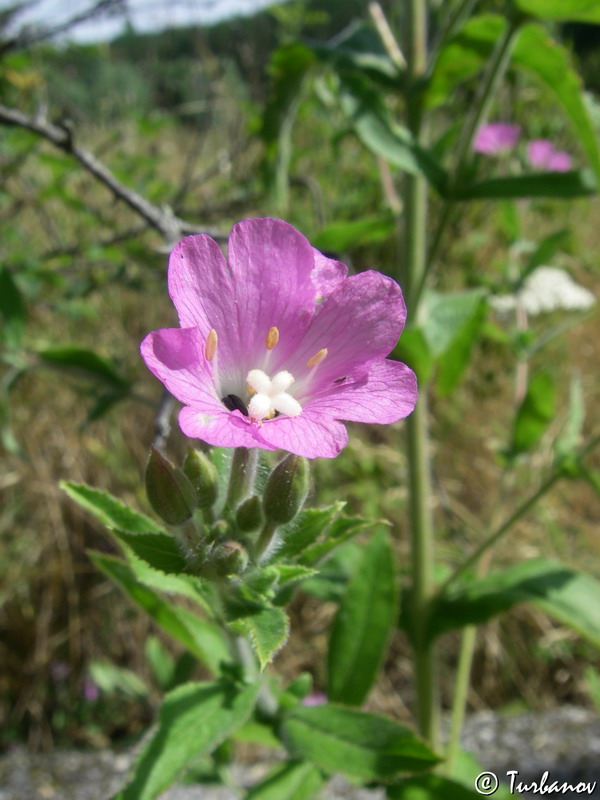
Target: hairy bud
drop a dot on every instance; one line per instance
(170, 493)
(286, 490)
(229, 559)
(249, 516)
(202, 474)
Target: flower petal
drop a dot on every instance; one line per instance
(272, 264)
(386, 394)
(226, 429)
(358, 323)
(327, 274)
(176, 357)
(309, 435)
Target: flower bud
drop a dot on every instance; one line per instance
(249, 516)
(170, 493)
(286, 490)
(202, 474)
(229, 559)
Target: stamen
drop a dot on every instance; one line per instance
(317, 358)
(272, 338)
(210, 348)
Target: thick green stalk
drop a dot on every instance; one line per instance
(421, 522)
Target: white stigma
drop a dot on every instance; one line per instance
(271, 395)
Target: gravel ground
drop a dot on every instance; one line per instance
(566, 742)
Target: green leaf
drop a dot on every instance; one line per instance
(562, 10)
(193, 720)
(430, 787)
(354, 742)
(446, 314)
(535, 413)
(161, 662)
(84, 362)
(413, 350)
(12, 310)
(110, 511)
(578, 183)
(292, 780)
(111, 678)
(305, 529)
(340, 530)
(334, 573)
(570, 597)
(569, 438)
(267, 626)
(342, 236)
(159, 550)
(544, 252)
(363, 624)
(199, 636)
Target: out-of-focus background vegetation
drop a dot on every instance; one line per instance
(181, 117)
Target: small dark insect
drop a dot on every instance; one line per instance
(340, 380)
(233, 402)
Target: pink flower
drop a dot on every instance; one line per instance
(315, 698)
(278, 344)
(496, 137)
(542, 155)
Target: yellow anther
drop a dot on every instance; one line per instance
(210, 348)
(272, 338)
(317, 358)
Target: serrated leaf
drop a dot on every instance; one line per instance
(354, 742)
(159, 550)
(292, 780)
(305, 529)
(199, 636)
(571, 597)
(193, 720)
(110, 511)
(267, 627)
(363, 624)
(340, 530)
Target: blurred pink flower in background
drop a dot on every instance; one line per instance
(89, 690)
(496, 137)
(542, 154)
(315, 699)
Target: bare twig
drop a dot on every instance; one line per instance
(162, 220)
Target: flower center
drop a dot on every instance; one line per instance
(270, 395)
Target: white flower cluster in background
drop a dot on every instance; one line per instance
(546, 289)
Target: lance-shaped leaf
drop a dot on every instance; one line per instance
(267, 626)
(563, 10)
(354, 742)
(110, 511)
(563, 185)
(363, 624)
(199, 636)
(159, 550)
(292, 780)
(431, 787)
(85, 363)
(570, 597)
(193, 720)
(305, 529)
(343, 236)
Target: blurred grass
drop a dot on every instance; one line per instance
(56, 610)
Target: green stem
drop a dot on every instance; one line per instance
(494, 73)
(265, 539)
(461, 690)
(421, 522)
(242, 475)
